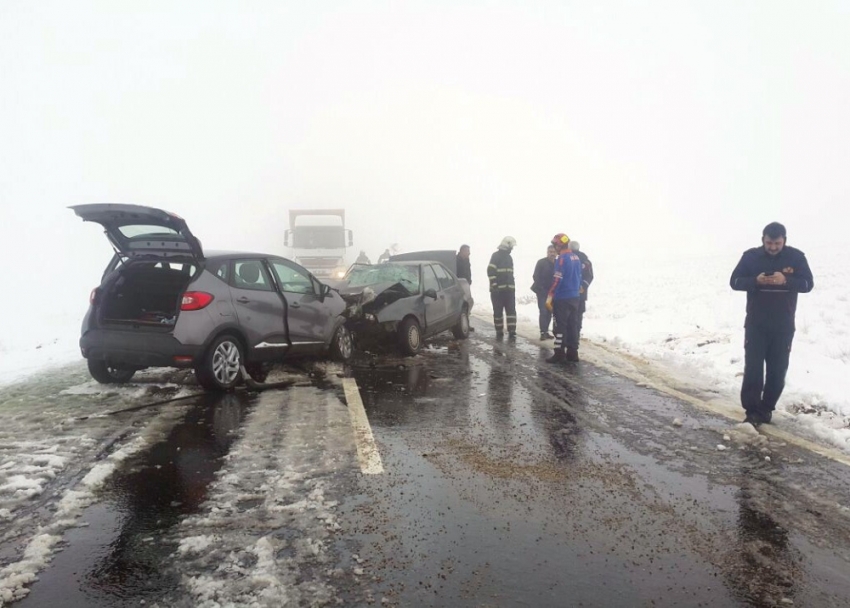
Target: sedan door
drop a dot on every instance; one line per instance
(452, 292)
(435, 309)
(260, 309)
(311, 316)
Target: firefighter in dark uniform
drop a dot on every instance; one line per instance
(772, 275)
(564, 300)
(500, 271)
(586, 280)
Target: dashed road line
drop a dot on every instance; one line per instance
(367, 451)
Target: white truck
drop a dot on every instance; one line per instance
(317, 239)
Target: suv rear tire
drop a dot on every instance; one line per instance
(220, 368)
(409, 336)
(104, 373)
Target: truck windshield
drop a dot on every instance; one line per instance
(407, 275)
(319, 237)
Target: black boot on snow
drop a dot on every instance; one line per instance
(558, 357)
(572, 355)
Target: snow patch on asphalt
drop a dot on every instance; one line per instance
(271, 499)
(17, 576)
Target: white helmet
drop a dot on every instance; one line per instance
(508, 243)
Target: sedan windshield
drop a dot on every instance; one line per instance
(407, 275)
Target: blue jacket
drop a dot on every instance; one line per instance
(567, 281)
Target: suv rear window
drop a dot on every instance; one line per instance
(134, 230)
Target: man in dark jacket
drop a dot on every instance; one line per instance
(500, 271)
(464, 269)
(772, 275)
(586, 280)
(564, 300)
(544, 272)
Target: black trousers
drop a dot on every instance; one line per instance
(580, 319)
(566, 323)
(504, 305)
(764, 349)
(545, 315)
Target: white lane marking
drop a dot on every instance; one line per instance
(367, 451)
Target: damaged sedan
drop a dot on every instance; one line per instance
(405, 302)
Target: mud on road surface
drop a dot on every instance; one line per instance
(504, 481)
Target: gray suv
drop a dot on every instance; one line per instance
(164, 302)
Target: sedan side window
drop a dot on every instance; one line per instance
(429, 279)
(292, 279)
(443, 277)
(250, 274)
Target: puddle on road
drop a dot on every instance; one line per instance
(116, 558)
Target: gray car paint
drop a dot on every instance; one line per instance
(264, 319)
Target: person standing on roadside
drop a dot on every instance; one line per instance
(464, 268)
(500, 271)
(772, 275)
(586, 280)
(544, 272)
(564, 301)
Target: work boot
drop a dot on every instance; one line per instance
(499, 334)
(572, 355)
(545, 335)
(558, 357)
(512, 334)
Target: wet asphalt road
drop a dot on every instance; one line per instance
(506, 482)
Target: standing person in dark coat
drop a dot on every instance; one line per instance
(586, 280)
(563, 300)
(772, 275)
(544, 272)
(464, 269)
(500, 271)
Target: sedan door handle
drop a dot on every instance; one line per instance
(295, 305)
(243, 300)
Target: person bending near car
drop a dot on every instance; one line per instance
(500, 271)
(772, 275)
(544, 273)
(586, 280)
(564, 300)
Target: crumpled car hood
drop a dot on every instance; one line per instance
(371, 298)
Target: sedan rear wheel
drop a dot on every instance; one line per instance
(107, 374)
(461, 328)
(410, 336)
(220, 369)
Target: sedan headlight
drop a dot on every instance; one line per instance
(340, 274)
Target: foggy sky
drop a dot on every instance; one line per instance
(653, 124)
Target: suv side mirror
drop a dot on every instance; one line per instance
(431, 293)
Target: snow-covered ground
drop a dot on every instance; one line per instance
(681, 315)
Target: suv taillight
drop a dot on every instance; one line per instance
(93, 296)
(195, 300)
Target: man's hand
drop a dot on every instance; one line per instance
(549, 303)
(775, 279)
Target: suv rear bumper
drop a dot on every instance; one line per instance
(138, 349)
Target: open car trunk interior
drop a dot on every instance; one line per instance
(146, 293)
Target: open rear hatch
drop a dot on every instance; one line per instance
(136, 231)
(159, 258)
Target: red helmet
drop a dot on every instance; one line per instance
(560, 240)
